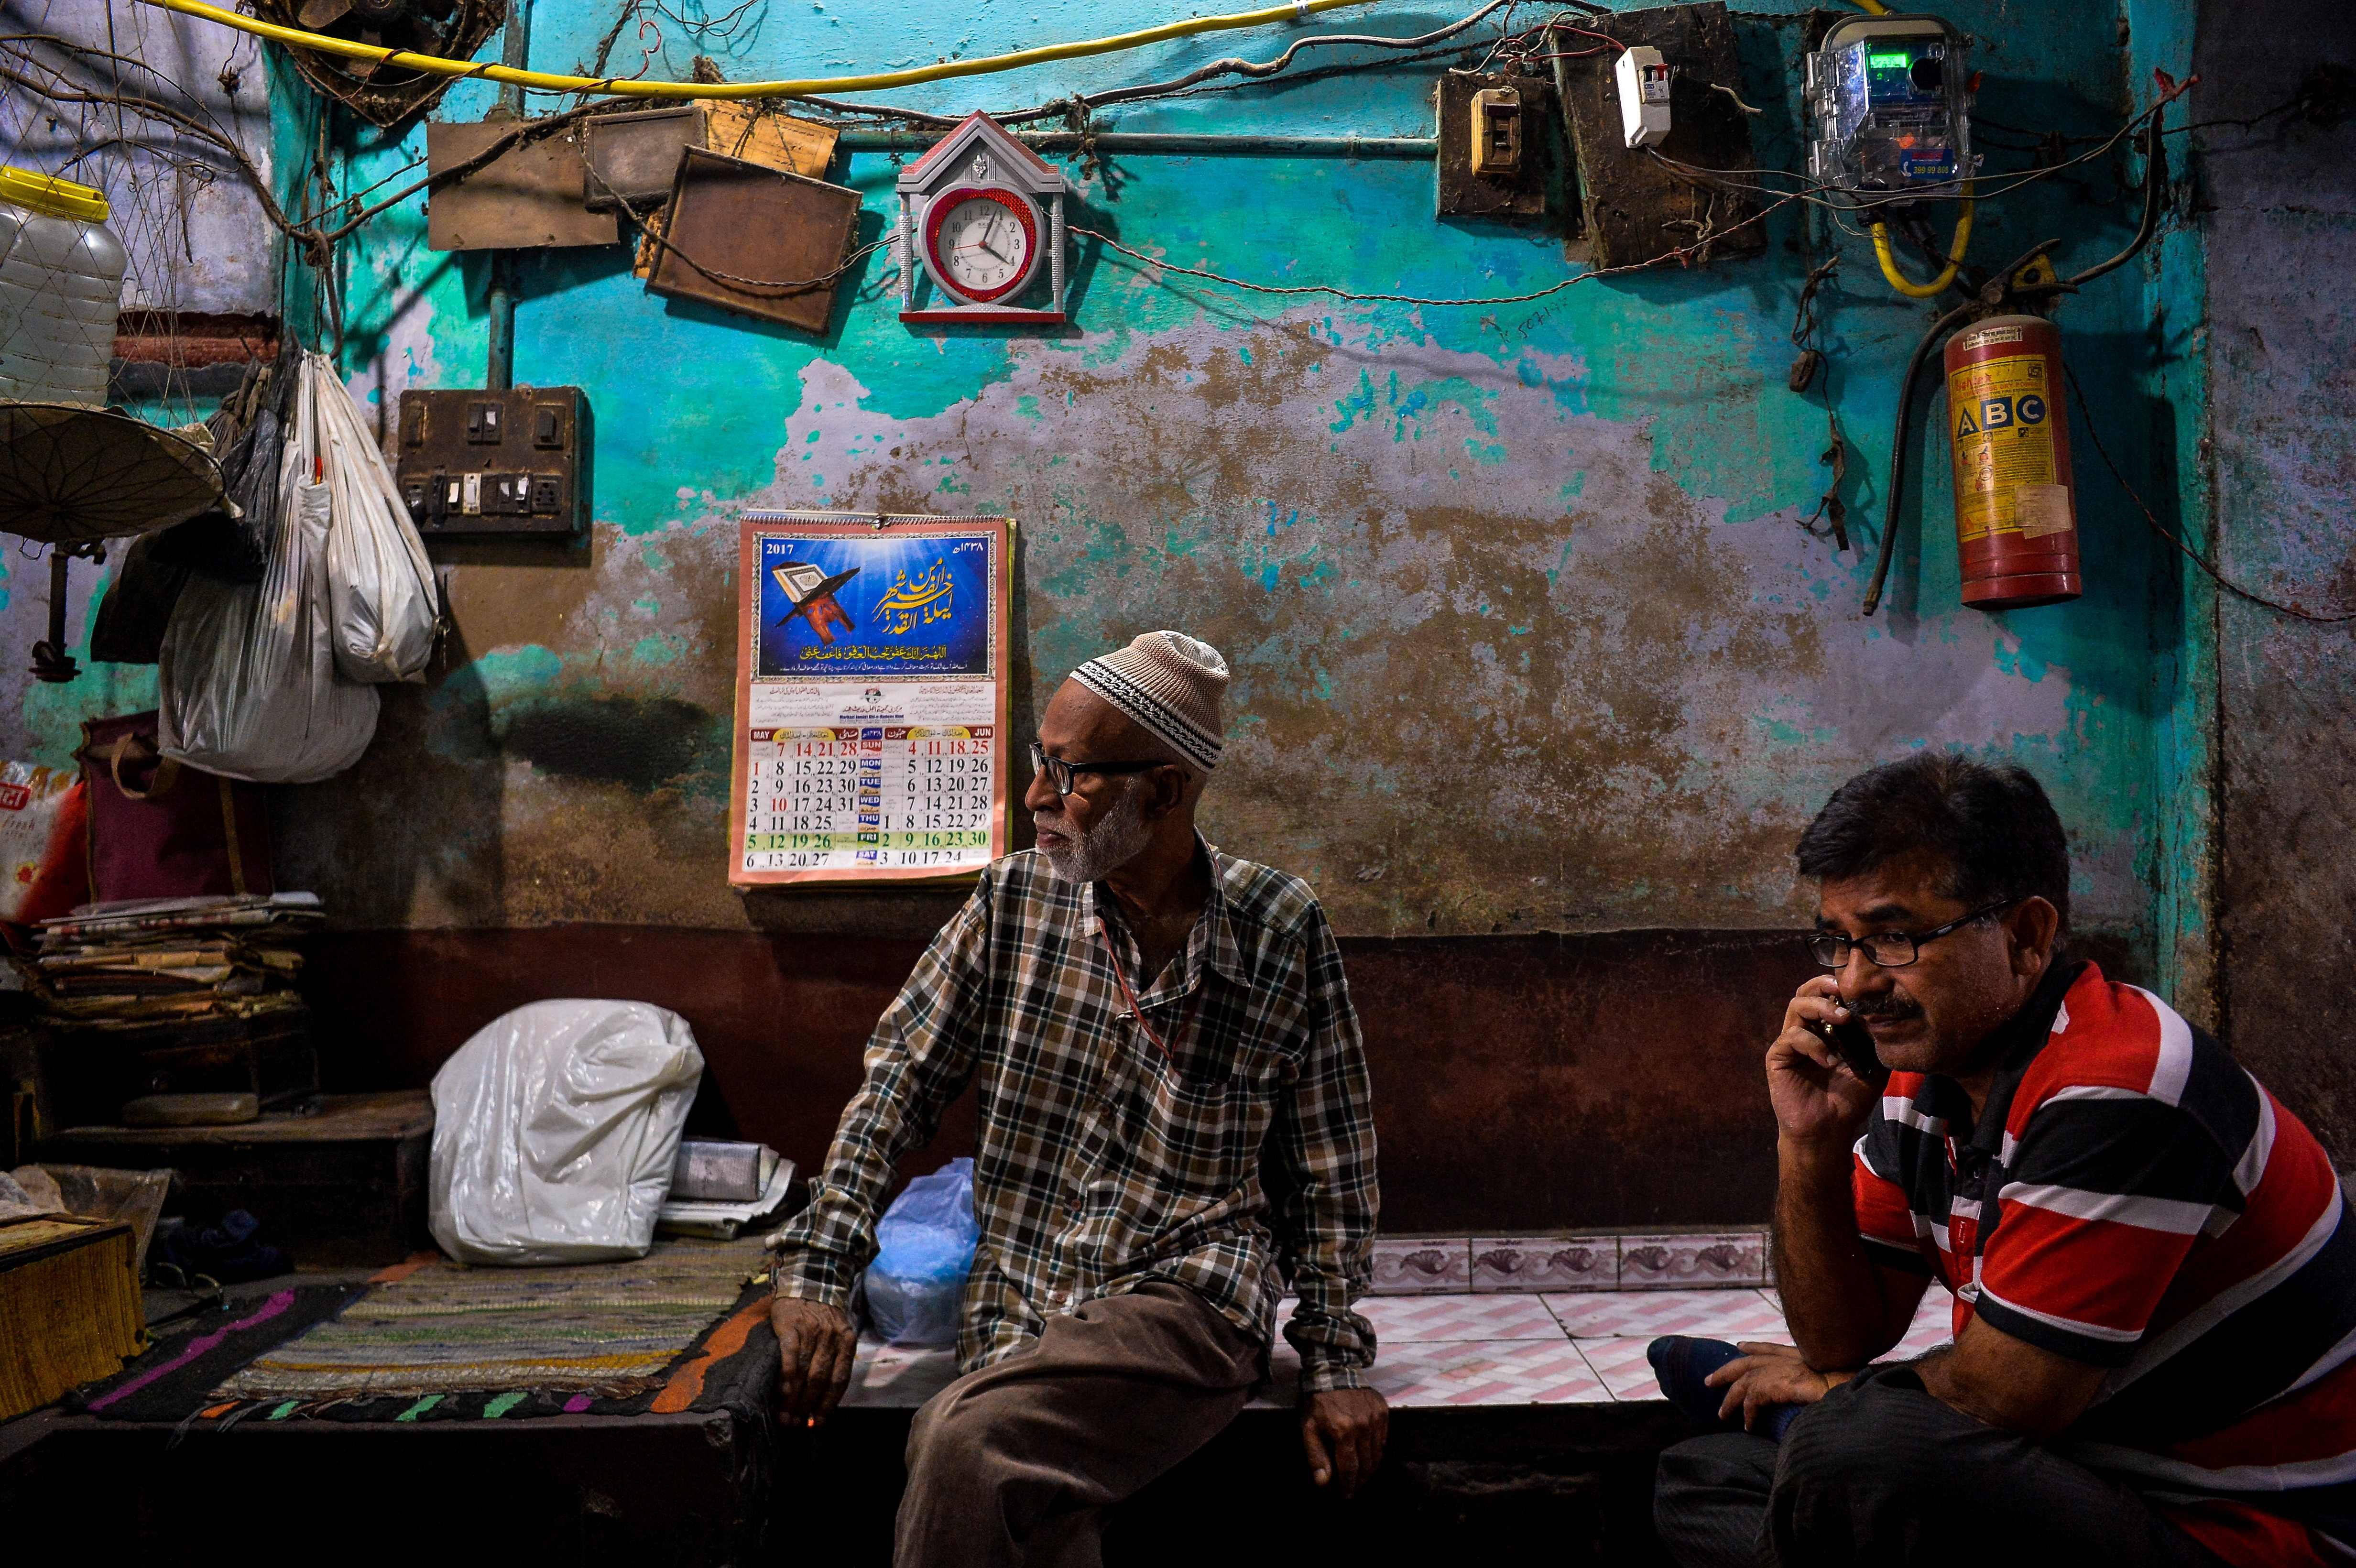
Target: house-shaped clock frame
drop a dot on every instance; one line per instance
(980, 155)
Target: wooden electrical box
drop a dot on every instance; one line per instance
(472, 464)
(1494, 144)
(529, 198)
(1639, 205)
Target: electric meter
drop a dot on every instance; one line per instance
(1889, 108)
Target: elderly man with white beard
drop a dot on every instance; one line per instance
(1174, 1125)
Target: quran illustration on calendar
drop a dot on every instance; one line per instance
(870, 698)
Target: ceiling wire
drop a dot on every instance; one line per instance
(2086, 422)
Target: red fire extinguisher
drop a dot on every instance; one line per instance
(2016, 515)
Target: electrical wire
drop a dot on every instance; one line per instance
(1680, 254)
(660, 241)
(1976, 189)
(1897, 441)
(2086, 420)
(546, 81)
(2155, 192)
(1189, 84)
(315, 244)
(1938, 285)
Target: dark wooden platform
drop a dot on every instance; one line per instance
(344, 1186)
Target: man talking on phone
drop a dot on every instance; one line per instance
(2155, 1292)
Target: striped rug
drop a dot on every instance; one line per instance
(443, 1329)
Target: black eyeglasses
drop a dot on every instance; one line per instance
(1060, 773)
(1889, 949)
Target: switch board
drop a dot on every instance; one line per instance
(472, 462)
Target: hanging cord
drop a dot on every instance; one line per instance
(1956, 249)
(657, 238)
(546, 81)
(1905, 422)
(1680, 254)
(1193, 1004)
(2086, 421)
(1807, 369)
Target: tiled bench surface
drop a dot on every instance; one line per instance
(1575, 1348)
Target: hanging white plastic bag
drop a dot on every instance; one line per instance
(555, 1132)
(247, 683)
(380, 585)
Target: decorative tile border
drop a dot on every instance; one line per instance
(1726, 1258)
(1565, 1261)
(1546, 1262)
(1421, 1265)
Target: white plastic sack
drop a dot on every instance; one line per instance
(381, 586)
(555, 1130)
(247, 684)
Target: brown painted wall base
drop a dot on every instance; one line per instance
(1521, 1082)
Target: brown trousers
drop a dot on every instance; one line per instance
(1011, 1467)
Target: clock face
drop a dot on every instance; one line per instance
(982, 241)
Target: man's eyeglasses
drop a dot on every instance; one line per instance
(1889, 949)
(1061, 774)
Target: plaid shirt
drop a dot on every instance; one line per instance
(1103, 1165)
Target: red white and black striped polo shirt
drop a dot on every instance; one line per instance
(2132, 1198)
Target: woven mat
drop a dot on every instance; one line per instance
(442, 1328)
(177, 1374)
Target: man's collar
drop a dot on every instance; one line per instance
(1214, 931)
(1221, 952)
(2013, 1044)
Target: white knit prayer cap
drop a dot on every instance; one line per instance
(1170, 683)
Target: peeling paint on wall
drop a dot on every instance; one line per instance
(1526, 630)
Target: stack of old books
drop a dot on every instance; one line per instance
(175, 1012)
(124, 965)
(70, 1305)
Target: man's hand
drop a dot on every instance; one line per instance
(816, 1347)
(1818, 1101)
(1769, 1375)
(1344, 1431)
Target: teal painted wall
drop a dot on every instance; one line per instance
(1526, 630)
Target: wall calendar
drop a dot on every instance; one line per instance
(870, 698)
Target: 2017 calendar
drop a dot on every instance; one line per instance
(870, 698)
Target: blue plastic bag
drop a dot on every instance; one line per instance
(917, 1279)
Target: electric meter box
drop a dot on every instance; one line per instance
(1889, 108)
(476, 464)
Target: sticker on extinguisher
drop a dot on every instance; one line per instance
(2007, 478)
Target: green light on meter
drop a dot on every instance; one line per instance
(1880, 61)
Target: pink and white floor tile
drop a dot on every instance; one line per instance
(1621, 1366)
(1496, 1371)
(1401, 1318)
(1708, 1314)
(1492, 1349)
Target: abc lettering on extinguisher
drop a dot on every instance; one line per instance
(2015, 514)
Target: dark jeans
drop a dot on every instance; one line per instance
(1882, 1473)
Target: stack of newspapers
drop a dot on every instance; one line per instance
(720, 1187)
(153, 960)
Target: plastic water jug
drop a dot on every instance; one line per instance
(60, 286)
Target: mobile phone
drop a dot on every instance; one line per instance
(1853, 1042)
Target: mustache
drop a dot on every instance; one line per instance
(1890, 1006)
